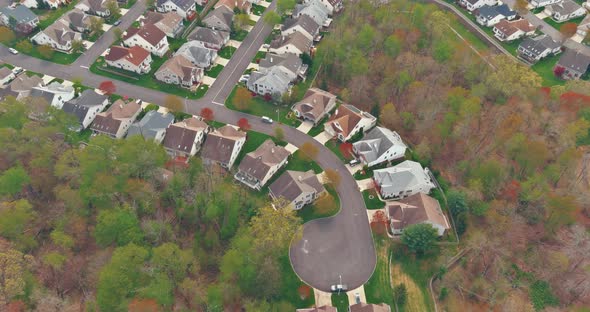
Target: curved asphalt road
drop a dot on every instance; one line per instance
(331, 249)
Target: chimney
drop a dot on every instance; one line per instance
(272, 150)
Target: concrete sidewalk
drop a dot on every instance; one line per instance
(322, 298)
(322, 137)
(352, 294)
(365, 184)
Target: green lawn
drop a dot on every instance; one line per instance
(129, 4)
(340, 302)
(290, 284)
(372, 203)
(259, 55)
(478, 43)
(253, 141)
(47, 17)
(311, 212)
(259, 107)
(317, 129)
(545, 69)
(378, 288)
(214, 71)
(557, 25)
(298, 163)
(239, 35)
(94, 36)
(58, 57)
(146, 80)
(226, 52)
(257, 9)
(334, 146)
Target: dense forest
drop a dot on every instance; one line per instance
(513, 152)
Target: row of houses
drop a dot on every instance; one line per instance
(356, 307)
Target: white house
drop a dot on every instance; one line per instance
(512, 30)
(197, 54)
(379, 145)
(304, 25)
(534, 49)
(314, 9)
(56, 94)
(6, 75)
(86, 107)
(94, 7)
(223, 146)
(332, 6)
(416, 209)
(19, 18)
(135, 59)
(58, 35)
(117, 119)
(152, 126)
(178, 70)
(148, 37)
(347, 121)
(316, 104)
(565, 11)
(259, 166)
(184, 8)
(185, 137)
(296, 188)
(543, 3)
(472, 5)
(403, 180)
(295, 43)
(491, 15)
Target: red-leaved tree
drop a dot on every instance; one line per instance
(558, 71)
(207, 114)
(244, 124)
(346, 149)
(107, 87)
(379, 223)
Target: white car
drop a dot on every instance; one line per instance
(13, 51)
(17, 70)
(267, 120)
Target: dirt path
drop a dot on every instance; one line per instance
(415, 299)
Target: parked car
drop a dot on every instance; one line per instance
(267, 120)
(244, 78)
(13, 51)
(354, 162)
(266, 46)
(17, 70)
(339, 287)
(117, 23)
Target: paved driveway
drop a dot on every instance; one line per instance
(322, 137)
(305, 126)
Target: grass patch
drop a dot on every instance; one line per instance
(340, 302)
(214, 71)
(299, 163)
(545, 69)
(334, 146)
(82, 136)
(557, 25)
(146, 80)
(259, 107)
(378, 288)
(226, 52)
(478, 43)
(372, 203)
(129, 4)
(257, 9)
(259, 55)
(94, 36)
(49, 16)
(253, 141)
(239, 35)
(290, 284)
(312, 212)
(215, 124)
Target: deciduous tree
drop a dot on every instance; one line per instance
(119, 226)
(279, 133)
(107, 87)
(24, 46)
(6, 35)
(241, 20)
(332, 177)
(96, 24)
(309, 151)
(207, 114)
(173, 103)
(78, 46)
(113, 7)
(285, 5)
(568, 29)
(14, 267)
(389, 117)
(46, 51)
(242, 98)
(419, 238)
(272, 18)
(244, 124)
(169, 259)
(13, 180)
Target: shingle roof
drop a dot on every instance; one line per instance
(150, 124)
(510, 27)
(417, 208)
(196, 53)
(149, 32)
(564, 7)
(297, 39)
(25, 83)
(77, 18)
(181, 67)
(79, 106)
(181, 135)
(574, 60)
(220, 143)
(314, 103)
(61, 33)
(207, 35)
(223, 14)
(259, 162)
(231, 4)
(306, 22)
(364, 307)
(325, 308)
(110, 120)
(291, 184)
(183, 4)
(289, 61)
(5, 72)
(402, 176)
(168, 19)
(20, 13)
(376, 142)
(135, 55)
(274, 77)
(345, 119)
(539, 44)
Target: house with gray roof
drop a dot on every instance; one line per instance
(58, 35)
(209, 38)
(303, 24)
(573, 64)
(296, 188)
(369, 307)
(259, 166)
(77, 20)
(115, 122)
(491, 15)
(316, 104)
(223, 146)
(197, 54)
(332, 6)
(86, 106)
(152, 126)
(543, 3)
(94, 7)
(170, 23)
(472, 5)
(403, 180)
(534, 49)
(185, 8)
(564, 11)
(314, 9)
(56, 94)
(6, 75)
(275, 82)
(21, 86)
(184, 138)
(379, 145)
(20, 18)
(178, 70)
(221, 18)
(289, 63)
(295, 43)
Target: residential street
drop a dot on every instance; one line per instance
(340, 246)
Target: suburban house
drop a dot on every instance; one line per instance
(19, 19)
(54, 4)
(148, 37)
(243, 5)
(184, 138)
(197, 54)
(56, 94)
(316, 104)
(86, 106)
(511, 30)
(58, 35)
(491, 15)
(542, 3)
(584, 26)
(179, 71)
(573, 64)
(219, 19)
(274, 82)
(472, 5)
(170, 23)
(297, 188)
(296, 43)
(403, 180)
(347, 121)
(185, 8)
(94, 7)
(304, 25)
(209, 38)
(369, 307)
(259, 166)
(289, 63)
(77, 20)
(379, 145)
(332, 6)
(21, 86)
(416, 209)
(534, 49)
(6, 75)
(51, 4)
(152, 126)
(202, 2)
(564, 11)
(314, 9)
(325, 308)
(135, 59)
(117, 119)
(223, 146)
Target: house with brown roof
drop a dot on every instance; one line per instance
(296, 43)
(170, 23)
(135, 59)
(148, 37)
(184, 138)
(511, 30)
(179, 71)
(19, 18)
(315, 105)
(297, 188)
(325, 308)
(369, 307)
(221, 18)
(243, 5)
(117, 119)
(58, 35)
(77, 20)
(304, 25)
(259, 166)
(209, 38)
(223, 146)
(347, 121)
(416, 209)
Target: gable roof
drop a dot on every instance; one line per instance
(148, 32)
(169, 19)
(5, 72)
(325, 308)
(288, 61)
(185, 5)
(564, 7)
(574, 60)
(346, 118)
(401, 176)
(243, 5)
(196, 53)
(181, 135)
(297, 39)
(24, 83)
(414, 209)
(48, 92)
(511, 27)
(181, 67)
(275, 77)
(79, 106)
(134, 55)
(259, 162)
(291, 184)
(61, 33)
(151, 124)
(490, 12)
(221, 13)
(307, 23)
(220, 143)
(208, 35)
(77, 18)
(539, 44)
(314, 103)
(364, 307)
(110, 121)
(20, 13)
(376, 142)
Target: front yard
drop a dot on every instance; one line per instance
(372, 201)
(238, 35)
(545, 69)
(214, 71)
(257, 9)
(299, 163)
(47, 17)
(334, 146)
(314, 211)
(226, 52)
(259, 107)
